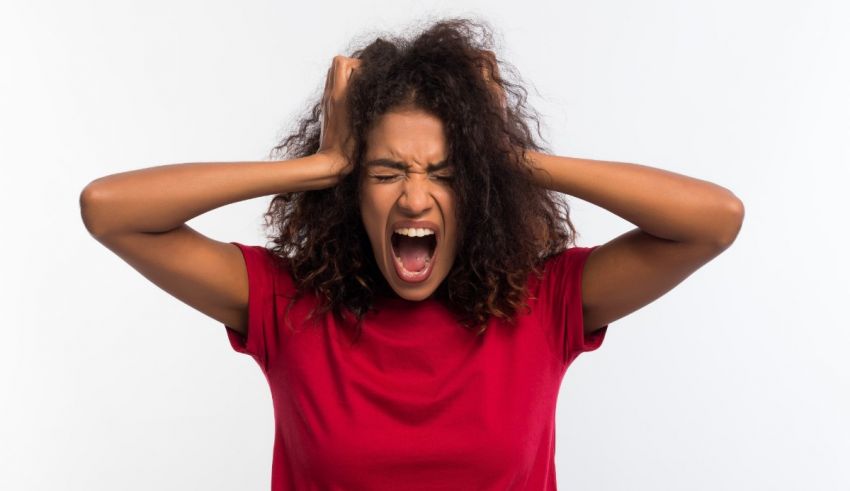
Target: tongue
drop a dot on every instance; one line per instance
(413, 252)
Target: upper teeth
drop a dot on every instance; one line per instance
(414, 232)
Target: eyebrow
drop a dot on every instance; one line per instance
(394, 164)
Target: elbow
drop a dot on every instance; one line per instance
(734, 221)
(90, 196)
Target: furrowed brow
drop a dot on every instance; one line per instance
(393, 164)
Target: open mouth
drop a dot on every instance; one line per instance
(413, 257)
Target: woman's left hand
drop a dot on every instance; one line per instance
(490, 72)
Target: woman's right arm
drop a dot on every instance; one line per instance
(162, 198)
(141, 216)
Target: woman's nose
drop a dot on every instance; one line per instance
(416, 194)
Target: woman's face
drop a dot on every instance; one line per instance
(406, 179)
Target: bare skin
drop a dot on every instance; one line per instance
(141, 215)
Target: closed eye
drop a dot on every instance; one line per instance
(388, 178)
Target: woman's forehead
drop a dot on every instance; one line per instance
(407, 135)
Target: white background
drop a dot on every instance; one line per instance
(737, 379)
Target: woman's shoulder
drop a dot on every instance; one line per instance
(555, 266)
(270, 265)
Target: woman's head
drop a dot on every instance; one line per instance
(416, 103)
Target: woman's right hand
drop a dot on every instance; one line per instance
(335, 141)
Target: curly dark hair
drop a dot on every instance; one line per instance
(508, 226)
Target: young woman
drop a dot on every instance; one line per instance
(423, 297)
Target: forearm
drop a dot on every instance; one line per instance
(162, 198)
(662, 203)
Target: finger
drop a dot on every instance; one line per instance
(328, 80)
(340, 75)
(494, 69)
(490, 67)
(354, 65)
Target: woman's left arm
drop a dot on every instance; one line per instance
(682, 223)
(661, 203)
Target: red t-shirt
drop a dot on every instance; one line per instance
(417, 403)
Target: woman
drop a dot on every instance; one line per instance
(421, 303)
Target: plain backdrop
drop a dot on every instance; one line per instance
(738, 379)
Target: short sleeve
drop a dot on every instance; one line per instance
(260, 266)
(561, 290)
